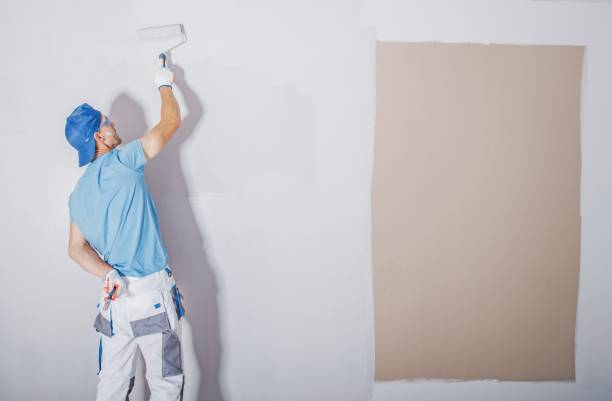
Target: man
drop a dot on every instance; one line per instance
(114, 235)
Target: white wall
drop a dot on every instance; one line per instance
(264, 194)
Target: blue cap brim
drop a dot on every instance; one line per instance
(86, 153)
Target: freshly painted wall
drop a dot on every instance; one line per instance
(263, 195)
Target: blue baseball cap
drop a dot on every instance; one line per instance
(81, 125)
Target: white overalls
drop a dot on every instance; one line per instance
(145, 316)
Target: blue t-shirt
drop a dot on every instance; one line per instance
(114, 211)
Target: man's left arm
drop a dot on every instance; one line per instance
(81, 252)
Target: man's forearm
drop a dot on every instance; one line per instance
(170, 112)
(90, 261)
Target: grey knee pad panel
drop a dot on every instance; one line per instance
(171, 354)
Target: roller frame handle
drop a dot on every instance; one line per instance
(162, 57)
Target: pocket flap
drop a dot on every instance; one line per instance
(150, 325)
(148, 314)
(103, 325)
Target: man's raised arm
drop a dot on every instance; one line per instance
(155, 140)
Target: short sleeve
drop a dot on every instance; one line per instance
(132, 156)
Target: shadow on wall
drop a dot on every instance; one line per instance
(184, 242)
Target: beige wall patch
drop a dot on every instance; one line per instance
(475, 208)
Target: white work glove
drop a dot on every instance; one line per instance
(114, 280)
(164, 77)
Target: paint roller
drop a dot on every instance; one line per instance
(168, 37)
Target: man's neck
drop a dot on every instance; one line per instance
(100, 152)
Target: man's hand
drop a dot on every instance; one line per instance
(113, 280)
(164, 77)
